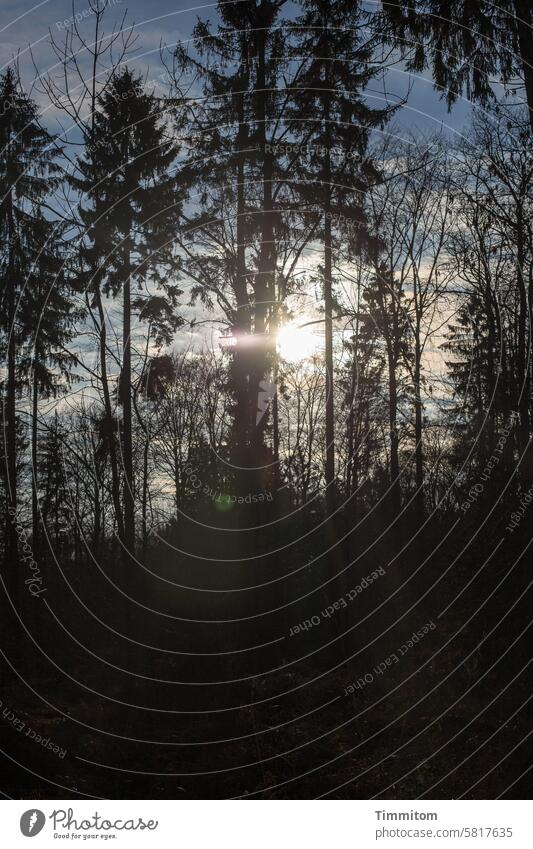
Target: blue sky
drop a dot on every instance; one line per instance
(25, 25)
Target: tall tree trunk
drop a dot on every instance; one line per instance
(108, 412)
(34, 477)
(393, 426)
(77, 546)
(265, 278)
(330, 403)
(350, 446)
(127, 438)
(419, 450)
(145, 498)
(242, 413)
(492, 377)
(328, 291)
(11, 414)
(176, 471)
(275, 421)
(524, 23)
(55, 480)
(328, 288)
(97, 530)
(523, 353)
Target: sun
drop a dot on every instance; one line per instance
(296, 342)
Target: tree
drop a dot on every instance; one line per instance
(51, 315)
(76, 95)
(492, 251)
(329, 90)
(135, 214)
(361, 381)
(411, 215)
(385, 299)
(302, 430)
(237, 218)
(28, 172)
(466, 42)
(49, 469)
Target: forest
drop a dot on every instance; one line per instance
(267, 403)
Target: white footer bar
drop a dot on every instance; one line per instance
(257, 824)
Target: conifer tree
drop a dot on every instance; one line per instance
(466, 43)
(232, 172)
(27, 174)
(386, 308)
(332, 119)
(50, 312)
(134, 215)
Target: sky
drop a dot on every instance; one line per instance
(25, 29)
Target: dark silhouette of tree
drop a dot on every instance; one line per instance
(51, 315)
(55, 494)
(361, 381)
(332, 41)
(218, 228)
(411, 215)
(135, 215)
(386, 307)
(27, 173)
(467, 42)
(76, 96)
(491, 248)
(232, 171)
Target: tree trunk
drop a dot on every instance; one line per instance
(97, 520)
(524, 25)
(11, 415)
(275, 424)
(77, 546)
(127, 438)
(330, 404)
(109, 434)
(492, 377)
(393, 425)
(328, 297)
(419, 451)
(265, 278)
(34, 477)
(145, 498)
(242, 323)
(177, 480)
(523, 366)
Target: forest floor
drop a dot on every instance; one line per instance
(450, 717)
